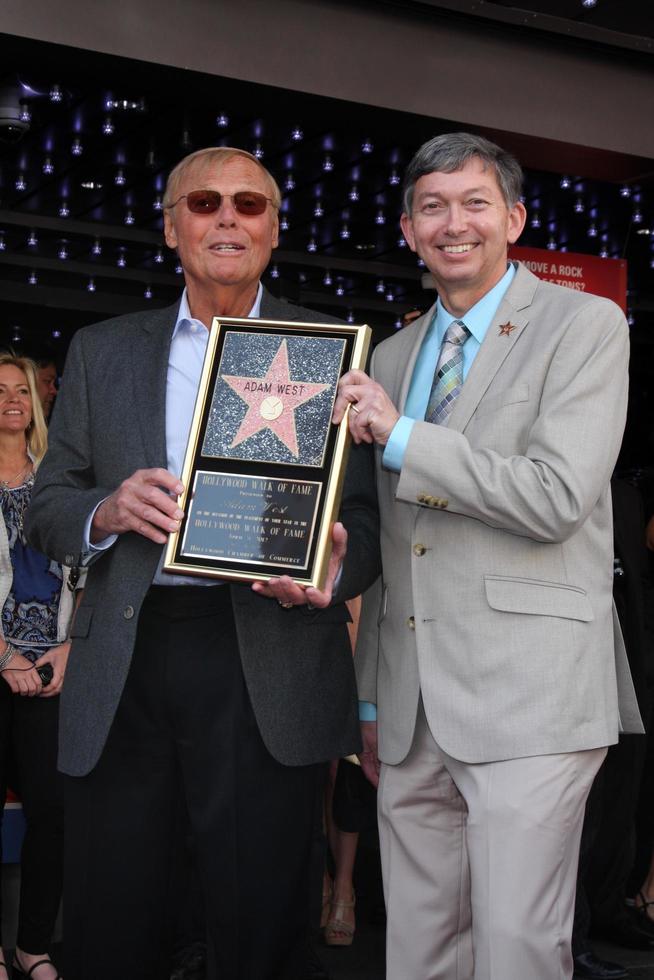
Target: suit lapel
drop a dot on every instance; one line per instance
(274, 309)
(406, 362)
(496, 346)
(149, 367)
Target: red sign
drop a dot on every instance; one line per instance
(585, 273)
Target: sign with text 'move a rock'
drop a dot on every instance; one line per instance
(585, 273)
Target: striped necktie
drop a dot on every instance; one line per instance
(448, 376)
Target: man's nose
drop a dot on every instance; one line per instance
(456, 219)
(226, 213)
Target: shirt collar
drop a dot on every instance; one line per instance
(184, 318)
(480, 316)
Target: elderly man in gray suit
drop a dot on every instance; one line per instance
(224, 700)
(490, 654)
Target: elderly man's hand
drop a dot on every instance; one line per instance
(142, 503)
(372, 413)
(288, 593)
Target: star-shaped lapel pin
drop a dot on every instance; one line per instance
(272, 401)
(506, 328)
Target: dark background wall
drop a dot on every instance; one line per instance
(416, 58)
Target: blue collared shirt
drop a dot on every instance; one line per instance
(478, 319)
(187, 349)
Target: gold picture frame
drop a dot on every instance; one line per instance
(264, 466)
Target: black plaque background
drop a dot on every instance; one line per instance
(290, 471)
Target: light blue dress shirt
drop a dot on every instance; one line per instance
(478, 319)
(187, 349)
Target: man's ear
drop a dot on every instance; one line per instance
(407, 230)
(169, 230)
(517, 219)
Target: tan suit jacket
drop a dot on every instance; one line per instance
(496, 599)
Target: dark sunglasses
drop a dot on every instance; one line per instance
(208, 202)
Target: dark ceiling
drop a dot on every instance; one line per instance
(632, 17)
(616, 23)
(80, 192)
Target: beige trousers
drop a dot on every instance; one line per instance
(480, 862)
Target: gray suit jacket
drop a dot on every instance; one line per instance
(109, 422)
(496, 541)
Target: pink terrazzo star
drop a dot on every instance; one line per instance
(272, 401)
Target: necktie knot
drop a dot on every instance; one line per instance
(456, 333)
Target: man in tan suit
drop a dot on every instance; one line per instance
(489, 651)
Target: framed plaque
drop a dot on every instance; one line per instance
(264, 466)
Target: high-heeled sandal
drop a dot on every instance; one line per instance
(326, 900)
(18, 971)
(643, 907)
(337, 931)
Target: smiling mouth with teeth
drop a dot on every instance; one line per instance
(458, 248)
(225, 247)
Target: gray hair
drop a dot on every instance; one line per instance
(218, 155)
(451, 151)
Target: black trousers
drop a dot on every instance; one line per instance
(185, 734)
(28, 747)
(608, 842)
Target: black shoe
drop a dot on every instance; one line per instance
(626, 932)
(190, 963)
(588, 967)
(315, 969)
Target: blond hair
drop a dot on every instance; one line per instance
(219, 155)
(36, 433)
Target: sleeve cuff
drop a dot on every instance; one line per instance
(397, 442)
(367, 711)
(88, 549)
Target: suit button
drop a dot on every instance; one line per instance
(411, 622)
(419, 550)
(70, 560)
(128, 612)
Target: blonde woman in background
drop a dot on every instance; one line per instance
(37, 599)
